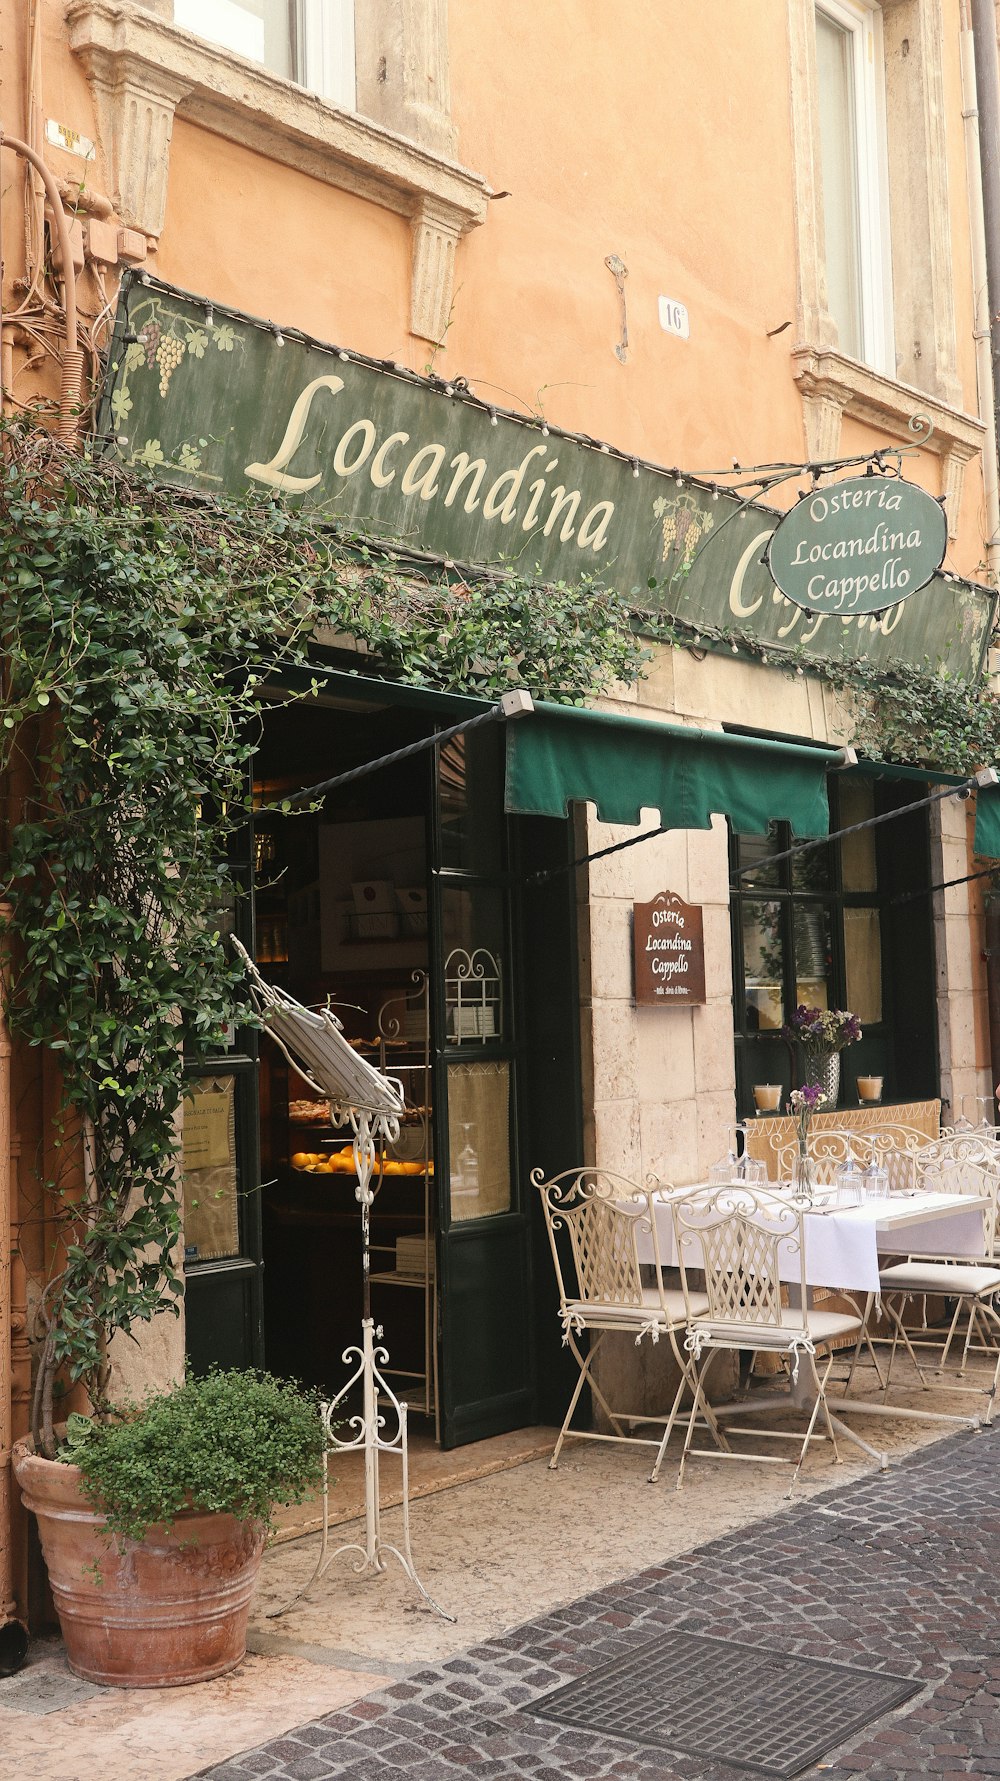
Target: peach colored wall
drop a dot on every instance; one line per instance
(272, 241)
(656, 136)
(632, 142)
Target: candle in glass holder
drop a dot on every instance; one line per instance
(869, 1088)
(767, 1097)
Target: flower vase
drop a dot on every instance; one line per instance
(802, 1183)
(823, 1070)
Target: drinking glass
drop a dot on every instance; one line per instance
(849, 1184)
(876, 1181)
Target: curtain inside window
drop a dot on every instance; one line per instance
(479, 1136)
(261, 30)
(208, 1160)
(837, 103)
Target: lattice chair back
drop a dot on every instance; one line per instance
(739, 1239)
(828, 1152)
(965, 1173)
(897, 1149)
(901, 1169)
(889, 1136)
(602, 1214)
(830, 1147)
(954, 1149)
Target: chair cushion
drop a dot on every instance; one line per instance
(952, 1279)
(677, 1312)
(824, 1326)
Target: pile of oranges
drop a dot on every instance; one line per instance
(341, 1162)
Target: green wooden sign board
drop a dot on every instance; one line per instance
(858, 546)
(216, 401)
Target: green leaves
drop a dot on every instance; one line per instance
(138, 628)
(932, 719)
(238, 1443)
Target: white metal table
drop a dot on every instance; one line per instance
(843, 1243)
(842, 1247)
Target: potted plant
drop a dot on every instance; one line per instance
(153, 1522)
(131, 682)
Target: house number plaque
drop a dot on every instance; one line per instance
(668, 952)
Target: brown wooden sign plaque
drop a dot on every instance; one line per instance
(668, 952)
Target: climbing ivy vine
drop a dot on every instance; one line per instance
(934, 719)
(138, 629)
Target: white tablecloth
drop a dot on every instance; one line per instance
(843, 1242)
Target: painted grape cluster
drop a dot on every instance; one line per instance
(169, 354)
(682, 525)
(164, 350)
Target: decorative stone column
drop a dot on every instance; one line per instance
(401, 54)
(135, 103)
(436, 233)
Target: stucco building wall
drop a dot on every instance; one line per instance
(679, 149)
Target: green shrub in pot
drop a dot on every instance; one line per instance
(236, 1443)
(153, 1521)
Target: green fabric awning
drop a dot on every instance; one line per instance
(625, 765)
(987, 835)
(987, 841)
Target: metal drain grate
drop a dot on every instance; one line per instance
(754, 1709)
(40, 1690)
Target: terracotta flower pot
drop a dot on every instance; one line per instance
(169, 1609)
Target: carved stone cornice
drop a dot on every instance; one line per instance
(832, 386)
(144, 70)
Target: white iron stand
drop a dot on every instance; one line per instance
(373, 1103)
(369, 1428)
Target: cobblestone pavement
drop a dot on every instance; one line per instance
(896, 1572)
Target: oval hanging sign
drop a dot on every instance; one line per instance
(858, 546)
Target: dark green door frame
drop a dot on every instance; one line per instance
(486, 1312)
(502, 1365)
(223, 1300)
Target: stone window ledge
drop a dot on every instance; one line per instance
(144, 71)
(833, 386)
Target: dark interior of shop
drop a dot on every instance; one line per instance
(341, 916)
(407, 902)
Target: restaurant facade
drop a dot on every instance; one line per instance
(381, 263)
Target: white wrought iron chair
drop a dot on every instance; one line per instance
(829, 1148)
(739, 1239)
(945, 1155)
(603, 1216)
(961, 1165)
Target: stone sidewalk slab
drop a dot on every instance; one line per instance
(56, 1728)
(896, 1572)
